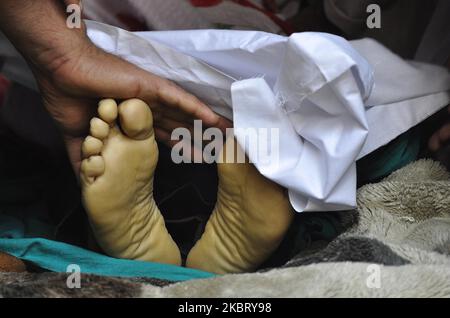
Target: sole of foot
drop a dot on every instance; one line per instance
(119, 160)
(251, 217)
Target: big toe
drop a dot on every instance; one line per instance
(136, 119)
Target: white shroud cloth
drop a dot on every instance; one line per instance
(333, 101)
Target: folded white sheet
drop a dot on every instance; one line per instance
(333, 101)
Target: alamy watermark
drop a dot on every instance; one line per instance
(206, 146)
(373, 281)
(373, 21)
(73, 281)
(73, 20)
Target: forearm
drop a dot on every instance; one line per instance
(38, 29)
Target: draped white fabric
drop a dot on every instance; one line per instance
(333, 101)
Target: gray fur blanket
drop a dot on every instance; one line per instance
(398, 245)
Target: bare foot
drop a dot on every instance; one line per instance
(251, 217)
(117, 184)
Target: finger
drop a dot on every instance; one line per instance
(160, 111)
(434, 143)
(166, 138)
(444, 133)
(163, 136)
(223, 124)
(169, 125)
(172, 95)
(123, 80)
(175, 114)
(196, 151)
(69, 2)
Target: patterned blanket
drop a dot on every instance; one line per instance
(397, 245)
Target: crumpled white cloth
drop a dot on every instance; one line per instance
(333, 101)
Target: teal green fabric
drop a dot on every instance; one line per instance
(21, 235)
(57, 256)
(395, 155)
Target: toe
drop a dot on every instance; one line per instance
(136, 119)
(99, 129)
(434, 143)
(93, 167)
(107, 111)
(91, 147)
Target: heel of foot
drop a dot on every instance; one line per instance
(251, 217)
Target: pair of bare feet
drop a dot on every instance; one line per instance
(251, 216)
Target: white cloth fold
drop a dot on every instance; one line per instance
(333, 101)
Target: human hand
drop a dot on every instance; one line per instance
(73, 74)
(71, 89)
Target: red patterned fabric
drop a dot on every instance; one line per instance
(285, 26)
(4, 85)
(205, 3)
